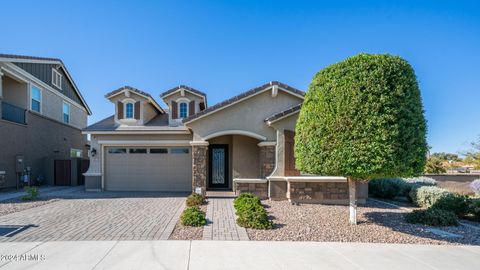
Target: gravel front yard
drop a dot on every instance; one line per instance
(17, 205)
(378, 223)
(186, 232)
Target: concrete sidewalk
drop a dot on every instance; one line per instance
(233, 255)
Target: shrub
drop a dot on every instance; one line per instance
(254, 216)
(421, 181)
(432, 217)
(390, 188)
(426, 196)
(245, 199)
(456, 203)
(195, 199)
(475, 186)
(473, 210)
(193, 216)
(32, 193)
(387, 188)
(251, 213)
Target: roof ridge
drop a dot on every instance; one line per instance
(242, 96)
(30, 57)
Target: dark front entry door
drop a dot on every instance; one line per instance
(218, 166)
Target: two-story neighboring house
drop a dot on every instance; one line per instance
(244, 143)
(42, 113)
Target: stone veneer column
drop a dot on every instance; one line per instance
(267, 158)
(199, 165)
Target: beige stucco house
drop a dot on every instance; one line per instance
(242, 144)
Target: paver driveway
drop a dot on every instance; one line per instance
(100, 216)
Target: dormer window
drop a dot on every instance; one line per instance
(183, 109)
(57, 78)
(129, 110)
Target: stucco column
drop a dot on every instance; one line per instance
(1, 84)
(199, 166)
(267, 158)
(1, 92)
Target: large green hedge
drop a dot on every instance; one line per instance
(362, 118)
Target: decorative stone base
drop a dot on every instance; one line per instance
(321, 192)
(258, 189)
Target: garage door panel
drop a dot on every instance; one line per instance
(144, 172)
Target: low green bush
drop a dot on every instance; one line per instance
(195, 199)
(432, 217)
(32, 193)
(251, 213)
(193, 216)
(387, 188)
(474, 210)
(426, 196)
(245, 199)
(456, 203)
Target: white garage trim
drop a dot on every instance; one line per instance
(146, 143)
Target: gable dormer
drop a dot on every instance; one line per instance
(133, 107)
(183, 101)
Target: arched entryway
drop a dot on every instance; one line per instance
(230, 157)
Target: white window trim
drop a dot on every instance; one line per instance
(180, 111)
(55, 75)
(69, 118)
(31, 97)
(180, 101)
(133, 111)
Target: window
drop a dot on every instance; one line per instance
(158, 151)
(36, 96)
(56, 78)
(138, 150)
(75, 153)
(117, 151)
(180, 151)
(129, 110)
(183, 110)
(66, 112)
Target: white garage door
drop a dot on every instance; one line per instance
(148, 168)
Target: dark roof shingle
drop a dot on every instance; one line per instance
(135, 90)
(279, 115)
(16, 56)
(183, 87)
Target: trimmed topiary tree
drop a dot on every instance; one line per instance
(362, 118)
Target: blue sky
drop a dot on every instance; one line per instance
(226, 47)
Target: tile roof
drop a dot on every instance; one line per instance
(159, 122)
(243, 96)
(281, 114)
(135, 90)
(184, 87)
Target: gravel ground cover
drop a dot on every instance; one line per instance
(186, 232)
(17, 205)
(378, 223)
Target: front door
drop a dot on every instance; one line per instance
(218, 166)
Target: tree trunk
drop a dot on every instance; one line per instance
(352, 195)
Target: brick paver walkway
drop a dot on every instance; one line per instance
(115, 216)
(221, 221)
